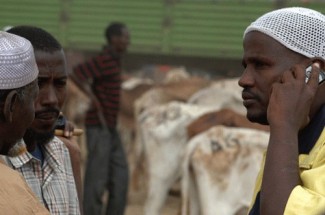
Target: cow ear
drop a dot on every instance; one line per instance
(9, 105)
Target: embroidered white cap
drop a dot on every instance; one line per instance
(17, 61)
(300, 29)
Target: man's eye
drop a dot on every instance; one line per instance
(259, 65)
(61, 83)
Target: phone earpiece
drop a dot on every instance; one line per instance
(307, 73)
(321, 77)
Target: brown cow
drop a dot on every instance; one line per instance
(225, 117)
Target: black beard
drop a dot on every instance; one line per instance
(33, 137)
(260, 120)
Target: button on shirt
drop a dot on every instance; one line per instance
(52, 182)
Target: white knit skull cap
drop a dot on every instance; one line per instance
(17, 61)
(300, 29)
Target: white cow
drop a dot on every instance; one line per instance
(175, 88)
(162, 134)
(222, 93)
(219, 170)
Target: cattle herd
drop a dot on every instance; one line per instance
(187, 129)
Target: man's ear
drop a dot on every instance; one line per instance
(9, 105)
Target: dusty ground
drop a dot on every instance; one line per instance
(136, 203)
(136, 199)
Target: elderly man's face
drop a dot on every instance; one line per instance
(52, 81)
(23, 116)
(264, 60)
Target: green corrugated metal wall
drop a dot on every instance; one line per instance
(88, 20)
(171, 27)
(212, 28)
(42, 13)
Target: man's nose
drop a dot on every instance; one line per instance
(49, 97)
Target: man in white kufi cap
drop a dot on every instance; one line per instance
(18, 90)
(282, 81)
(17, 59)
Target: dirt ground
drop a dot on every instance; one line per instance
(136, 199)
(136, 204)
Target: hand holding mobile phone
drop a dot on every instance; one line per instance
(321, 74)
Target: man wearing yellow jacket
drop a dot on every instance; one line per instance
(282, 81)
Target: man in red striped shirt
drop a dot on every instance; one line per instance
(100, 78)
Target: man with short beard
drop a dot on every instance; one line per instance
(279, 90)
(47, 166)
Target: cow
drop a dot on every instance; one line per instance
(131, 89)
(163, 130)
(159, 135)
(219, 170)
(225, 116)
(75, 104)
(192, 90)
(222, 92)
(176, 87)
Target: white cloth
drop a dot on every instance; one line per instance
(300, 29)
(17, 61)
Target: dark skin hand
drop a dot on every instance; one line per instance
(85, 88)
(288, 112)
(68, 130)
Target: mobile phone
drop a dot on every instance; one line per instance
(321, 77)
(60, 122)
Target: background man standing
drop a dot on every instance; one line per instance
(100, 79)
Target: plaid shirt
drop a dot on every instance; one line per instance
(53, 183)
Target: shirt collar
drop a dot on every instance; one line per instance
(21, 160)
(49, 155)
(309, 135)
